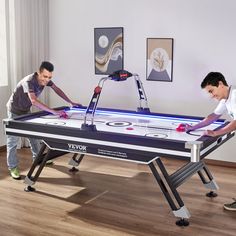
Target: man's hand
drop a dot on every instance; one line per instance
(210, 133)
(61, 114)
(183, 127)
(74, 104)
(188, 127)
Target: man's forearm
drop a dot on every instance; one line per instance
(42, 106)
(60, 93)
(207, 121)
(227, 129)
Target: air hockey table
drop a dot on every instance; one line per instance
(128, 136)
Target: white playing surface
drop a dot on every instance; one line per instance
(132, 124)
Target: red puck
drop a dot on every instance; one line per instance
(129, 128)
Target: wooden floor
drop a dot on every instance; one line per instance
(108, 197)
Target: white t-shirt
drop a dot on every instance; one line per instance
(228, 105)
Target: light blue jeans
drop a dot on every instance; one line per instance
(12, 160)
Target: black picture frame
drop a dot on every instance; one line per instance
(159, 61)
(108, 50)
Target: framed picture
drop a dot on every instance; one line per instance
(108, 50)
(159, 59)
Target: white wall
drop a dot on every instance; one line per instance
(204, 40)
(4, 89)
(4, 95)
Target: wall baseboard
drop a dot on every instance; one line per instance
(3, 148)
(220, 163)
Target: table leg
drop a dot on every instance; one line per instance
(210, 183)
(40, 162)
(180, 210)
(75, 162)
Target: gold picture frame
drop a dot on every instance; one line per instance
(108, 50)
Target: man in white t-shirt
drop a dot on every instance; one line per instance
(215, 84)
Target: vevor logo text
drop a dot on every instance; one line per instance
(77, 147)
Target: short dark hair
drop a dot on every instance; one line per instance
(46, 65)
(213, 78)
